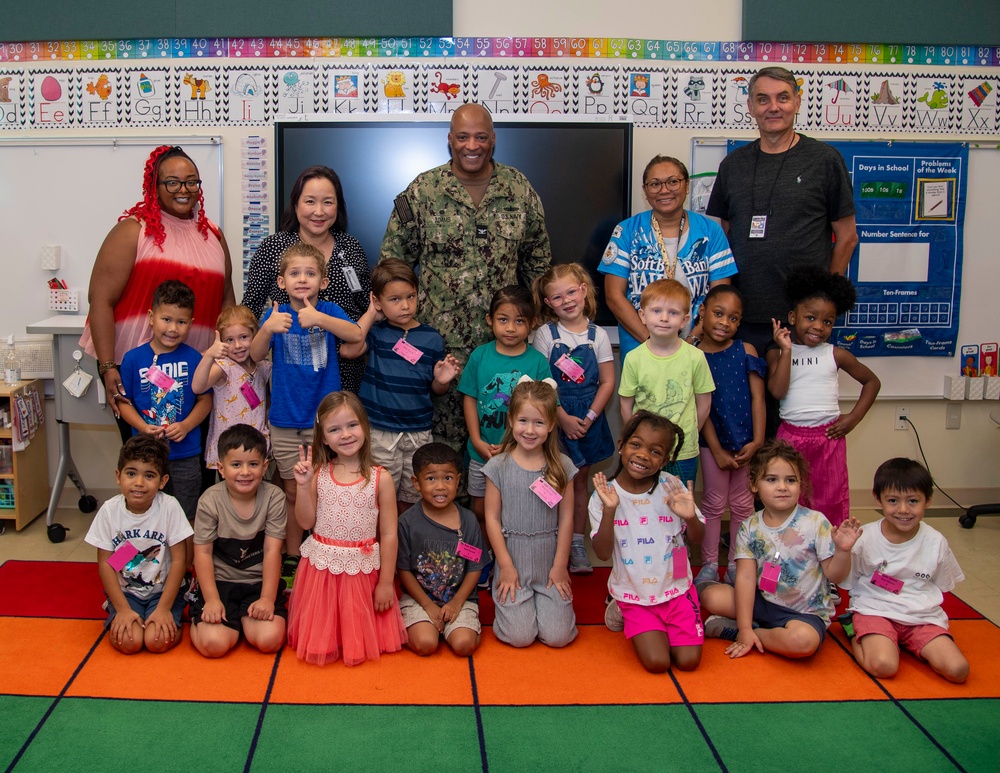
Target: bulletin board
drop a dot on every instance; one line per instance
(70, 193)
(975, 292)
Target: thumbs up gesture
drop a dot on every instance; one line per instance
(278, 322)
(309, 316)
(217, 350)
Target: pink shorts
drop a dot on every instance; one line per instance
(911, 637)
(679, 619)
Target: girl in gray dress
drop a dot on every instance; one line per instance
(529, 517)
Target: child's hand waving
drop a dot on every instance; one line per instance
(782, 336)
(607, 493)
(845, 535)
(679, 498)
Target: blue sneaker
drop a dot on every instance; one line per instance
(487, 574)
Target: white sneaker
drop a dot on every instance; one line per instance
(613, 617)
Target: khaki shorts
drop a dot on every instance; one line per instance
(412, 612)
(394, 451)
(285, 442)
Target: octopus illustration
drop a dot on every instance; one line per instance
(544, 87)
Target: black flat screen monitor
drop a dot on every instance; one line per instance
(582, 172)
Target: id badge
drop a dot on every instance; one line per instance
(159, 379)
(544, 491)
(120, 558)
(769, 575)
(574, 372)
(758, 226)
(887, 582)
(407, 351)
(679, 563)
(250, 394)
(351, 277)
(471, 552)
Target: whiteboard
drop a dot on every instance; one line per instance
(70, 193)
(979, 320)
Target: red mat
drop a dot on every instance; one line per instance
(71, 589)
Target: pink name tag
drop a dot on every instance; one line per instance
(471, 552)
(544, 491)
(120, 558)
(769, 577)
(159, 379)
(407, 351)
(679, 563)
(250, 394)
(887, 582)
(571, 368)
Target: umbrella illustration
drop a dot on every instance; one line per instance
(839, 86)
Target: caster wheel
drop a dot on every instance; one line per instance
(57, 533)
(87, 504)
(967, 521)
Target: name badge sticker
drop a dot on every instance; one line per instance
(120, 558)
(769, 575)
(250, 394)
(407, 351)
(159, 379)
(351, 277)
(887, 582)
(471, 552)
(571, 368)
(679, 563)
(758, 226)
(544, 491)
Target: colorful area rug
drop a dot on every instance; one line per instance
(69, 701)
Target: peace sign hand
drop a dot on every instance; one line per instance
(303, 470)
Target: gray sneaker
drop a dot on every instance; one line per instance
(708, 573)
(579, 561)
(719, 627)
(613, 617)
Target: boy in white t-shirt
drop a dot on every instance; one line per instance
(900, 570)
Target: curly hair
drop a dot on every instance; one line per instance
(814, 282)
(657, 423)
(778, 449)
(147, 211)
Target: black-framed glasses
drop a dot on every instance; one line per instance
(173, 186)
(671, 184)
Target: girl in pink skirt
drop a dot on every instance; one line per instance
(344, 604)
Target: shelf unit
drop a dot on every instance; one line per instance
(29, 476)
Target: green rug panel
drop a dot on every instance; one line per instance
(594, 738)
(85, 734)
(368, 738)
(968, 729)
(821, 737)
(18, 717)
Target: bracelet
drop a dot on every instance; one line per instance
(104, 367)
(591, 415)
(693, 340)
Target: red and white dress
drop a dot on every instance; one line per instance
(332, 611)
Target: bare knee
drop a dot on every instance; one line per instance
(160, 644)
(881, 666)
(422, 643)
(687, 659)
(463, 642)
(802, 641)
(655, 662)
(955, 672)
(127, 646)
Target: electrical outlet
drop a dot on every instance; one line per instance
(902, 415)
(953, 415)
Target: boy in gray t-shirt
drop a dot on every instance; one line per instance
(440, 557)
(238, 535)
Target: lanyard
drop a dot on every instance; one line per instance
(670, 266)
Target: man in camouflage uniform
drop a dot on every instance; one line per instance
(472, 226)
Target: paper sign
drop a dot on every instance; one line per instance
(407, 351)
(887, 582)
(571, 368)
(544, 491)
(471, 552)
(120, 558)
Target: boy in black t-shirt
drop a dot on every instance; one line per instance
(441, 554)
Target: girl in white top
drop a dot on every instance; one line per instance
(803, 373)
(640, 520)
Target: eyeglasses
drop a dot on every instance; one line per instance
(173, 186)
(671, 184)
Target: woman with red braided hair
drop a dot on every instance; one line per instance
(164, 236)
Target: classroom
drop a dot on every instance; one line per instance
(65, 111)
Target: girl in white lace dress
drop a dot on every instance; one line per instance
(344, 603)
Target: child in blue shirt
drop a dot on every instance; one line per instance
(157, 378)
(302, 336)
(406, 365)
